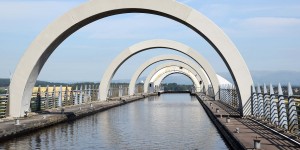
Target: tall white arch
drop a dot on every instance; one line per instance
(168, 67)
(157, 82)
(49, 39)
(153, 60)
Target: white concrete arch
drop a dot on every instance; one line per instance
(156, 59)
(148, 45)
(51, 37)
(176, 69)
(167, 67)
(157, 82)
(183, 72)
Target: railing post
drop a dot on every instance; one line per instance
(274, 110)
(282, 109)
(254, 102)
(89, 93)
(38, 99)
(60, 97)
(47, 97)
(267, 103)
(80, 95)
(260, 102)
(54, 97)
(292, 111)
(66, 96)
(76, 96)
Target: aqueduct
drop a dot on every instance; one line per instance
(49, 39)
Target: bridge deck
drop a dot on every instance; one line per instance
(249, 130)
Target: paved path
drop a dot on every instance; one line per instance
(249, 130)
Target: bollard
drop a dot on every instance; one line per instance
(17, 122)
(212, 107)
(217, 110)
(237, 130)
(26, 114)
(62, 110)
(256, 143)
(91, 105)
(227, 120)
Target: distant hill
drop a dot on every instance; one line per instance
(4, 82)
(260, 77)
(273, 77)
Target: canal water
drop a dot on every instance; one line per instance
(168, 121)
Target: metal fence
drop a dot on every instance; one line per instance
(117, 90)
(3, 105)
(228, 95)
(54, 97)
(280, 110)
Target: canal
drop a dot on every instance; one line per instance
(168, 121)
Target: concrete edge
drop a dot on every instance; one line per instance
(42, 124)
(231, 141)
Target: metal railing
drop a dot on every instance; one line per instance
(55, 97)
(3, 105)
(282, 111)
(118, 90)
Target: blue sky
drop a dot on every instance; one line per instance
(267, 34)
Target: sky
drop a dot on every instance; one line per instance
(267, 34)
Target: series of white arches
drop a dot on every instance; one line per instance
(170, 67)
(199, 70)
(49, 39)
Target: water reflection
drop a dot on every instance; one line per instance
(170, 121)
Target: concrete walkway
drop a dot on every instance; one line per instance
(249, 130)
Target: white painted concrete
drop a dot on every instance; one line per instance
(46, 42)
(196, 67)
(148, 45)
(170, 67)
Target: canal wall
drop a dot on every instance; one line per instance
(227, 135)
(12, 127)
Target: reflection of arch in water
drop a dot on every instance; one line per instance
(169, 67)
(199, 70)
(48, 40)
